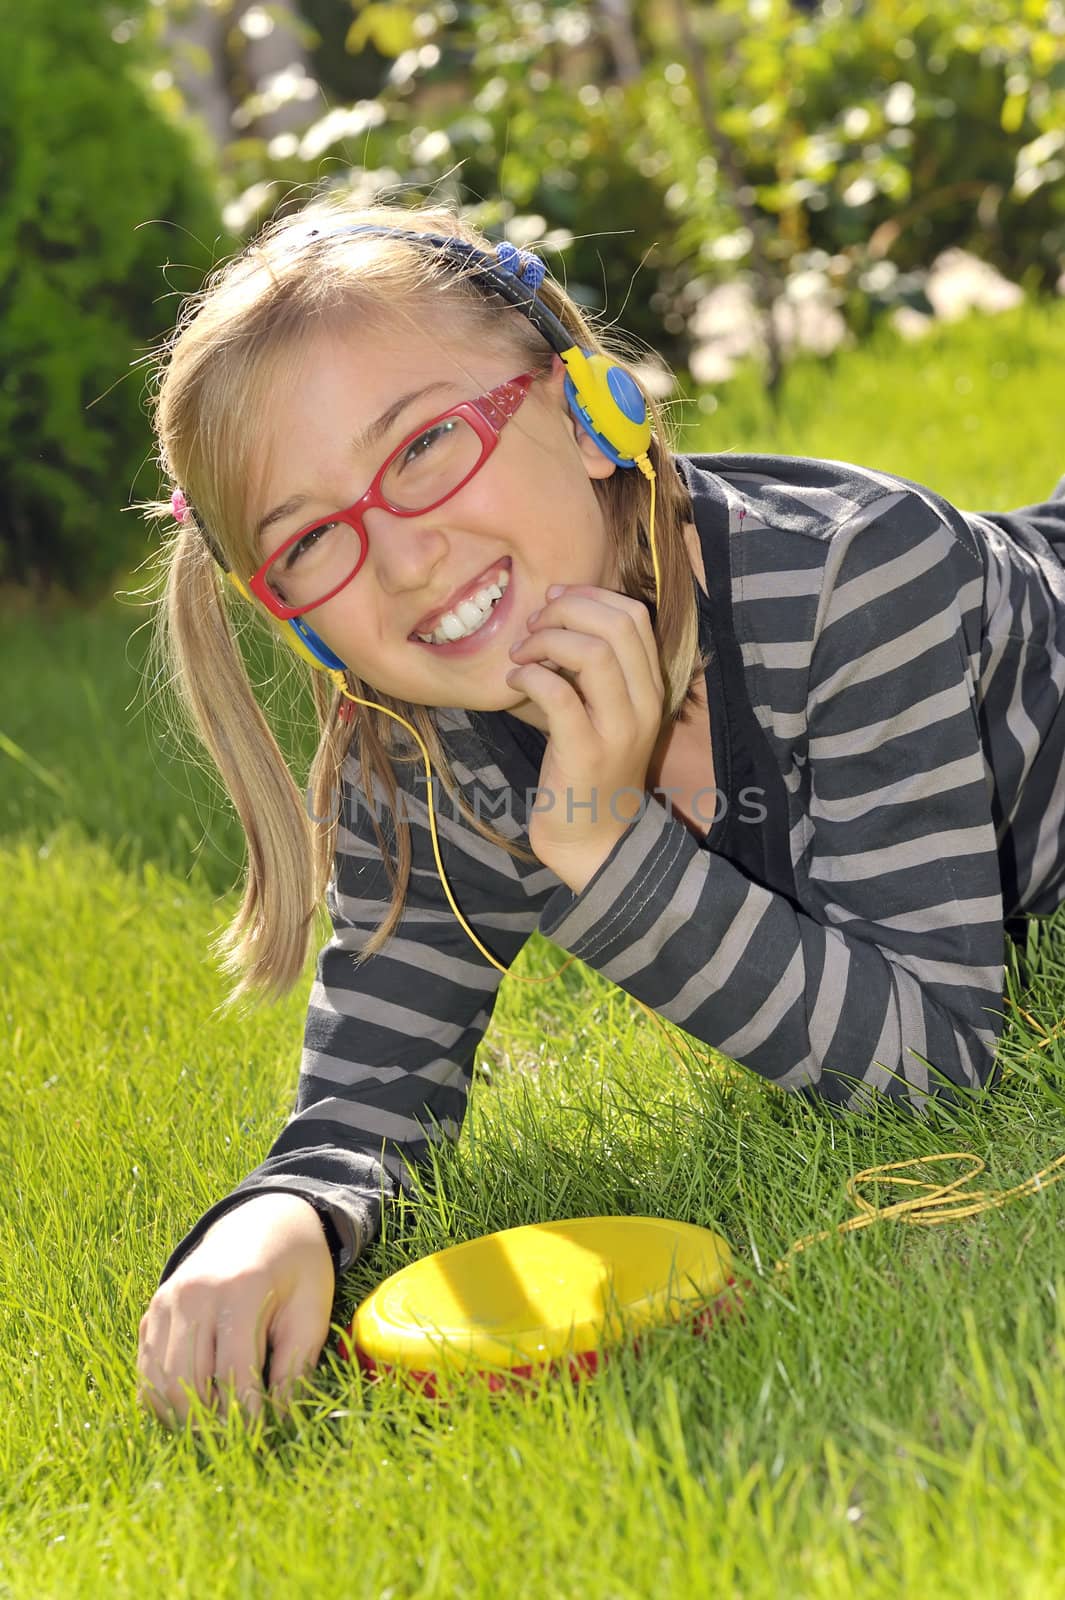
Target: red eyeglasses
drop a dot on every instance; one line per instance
(421, 473)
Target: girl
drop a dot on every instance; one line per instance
(836, 698)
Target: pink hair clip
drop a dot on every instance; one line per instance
(179, 505)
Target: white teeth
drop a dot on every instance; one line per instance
(469, 614)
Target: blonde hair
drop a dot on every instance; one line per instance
(237, 340)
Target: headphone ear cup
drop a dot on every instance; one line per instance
(609, 406)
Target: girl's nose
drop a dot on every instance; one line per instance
(404, 553)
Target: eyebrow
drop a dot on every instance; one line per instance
(359, 443)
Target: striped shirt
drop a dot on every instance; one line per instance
(885, 692)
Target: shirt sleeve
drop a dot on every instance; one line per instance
(389, 1045)
(888, 975)
(1047, 517)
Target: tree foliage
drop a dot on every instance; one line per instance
(100, 187)
(871, 134)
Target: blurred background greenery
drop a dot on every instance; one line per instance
(740, 184)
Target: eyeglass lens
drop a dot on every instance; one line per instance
(430, 467)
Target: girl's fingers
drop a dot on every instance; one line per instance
(605, 681)
(189, 1361)
(151, 1387)
(240, 1354)
(536, 675)
(586, 604)
(558, 695)
(203, 1362)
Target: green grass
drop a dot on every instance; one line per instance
(887, 1418)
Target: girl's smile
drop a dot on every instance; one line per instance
(489, 628)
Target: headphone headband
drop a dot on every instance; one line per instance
(494, 275)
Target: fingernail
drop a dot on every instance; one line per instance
(555, 590)
(534, 614)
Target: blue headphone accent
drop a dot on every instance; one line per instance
(628, 399)
(522, 263)
(316, 645)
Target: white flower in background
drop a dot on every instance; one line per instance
(1041, 162)
(342, 122)
(910, 323)
(726, 325)
(810, 323)
(960, 282)
(653, 378)
(239, 212)
(900, 102)
(710, 364)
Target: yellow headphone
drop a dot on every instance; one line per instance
(607, 403)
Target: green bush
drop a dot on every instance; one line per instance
(99, 185)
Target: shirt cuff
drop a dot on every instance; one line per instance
(343, 1229)
(329, 1227)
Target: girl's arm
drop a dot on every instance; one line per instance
(895, 954)
(389, 1046)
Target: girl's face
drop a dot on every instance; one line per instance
(533, 501)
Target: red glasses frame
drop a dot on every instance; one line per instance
(488, 415)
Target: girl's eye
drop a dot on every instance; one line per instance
(413, 453)
(300, 548)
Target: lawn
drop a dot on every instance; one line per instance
(886, 1418)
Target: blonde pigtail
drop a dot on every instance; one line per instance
(266, 944)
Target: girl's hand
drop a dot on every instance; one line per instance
(604, 724)
(260, 1279)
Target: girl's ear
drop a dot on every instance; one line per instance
(598, 464)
